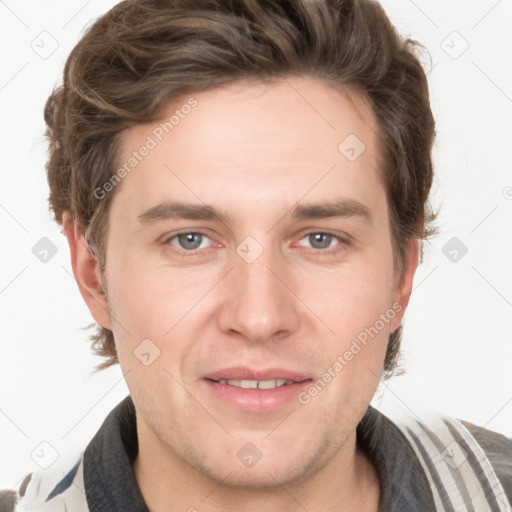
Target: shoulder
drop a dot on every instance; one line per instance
(498, 449)
(465, 464)
(59, 488)
(9, 498)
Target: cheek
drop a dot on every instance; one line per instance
(360, 314)
(356, 305)
(149, 302)
(351, 298)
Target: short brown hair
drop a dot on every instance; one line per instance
(143, 53)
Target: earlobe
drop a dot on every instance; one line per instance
(86, 271)
(403, 289)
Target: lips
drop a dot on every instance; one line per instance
(256, 391)
(256, 384)
(244, 373)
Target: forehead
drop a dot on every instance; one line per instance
(265, 142)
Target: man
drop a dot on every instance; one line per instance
(244, 189)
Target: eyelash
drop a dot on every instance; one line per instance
(196, 252)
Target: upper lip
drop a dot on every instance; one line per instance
(245, 373)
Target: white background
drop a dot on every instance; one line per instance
(458, 337)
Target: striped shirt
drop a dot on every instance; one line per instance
(433, 464)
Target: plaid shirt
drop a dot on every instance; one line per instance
(442, 465)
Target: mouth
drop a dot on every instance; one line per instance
(256, 390)
(256, 384)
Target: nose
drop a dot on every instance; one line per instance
(259, 303)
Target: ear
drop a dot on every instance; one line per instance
(87, 272)
(403, 288)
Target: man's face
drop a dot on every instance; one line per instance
(270, 292)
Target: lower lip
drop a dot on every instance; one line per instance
(257, 400)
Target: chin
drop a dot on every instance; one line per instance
(264, 478)
(249, 469)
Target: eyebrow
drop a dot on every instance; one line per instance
(179, 210)
(337, 208)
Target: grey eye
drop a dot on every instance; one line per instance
(190, 241)
(320, 240)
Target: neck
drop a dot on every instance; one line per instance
(347, 483)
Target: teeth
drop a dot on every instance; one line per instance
(257, 384)
(270, 384)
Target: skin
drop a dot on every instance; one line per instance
(254, 151)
